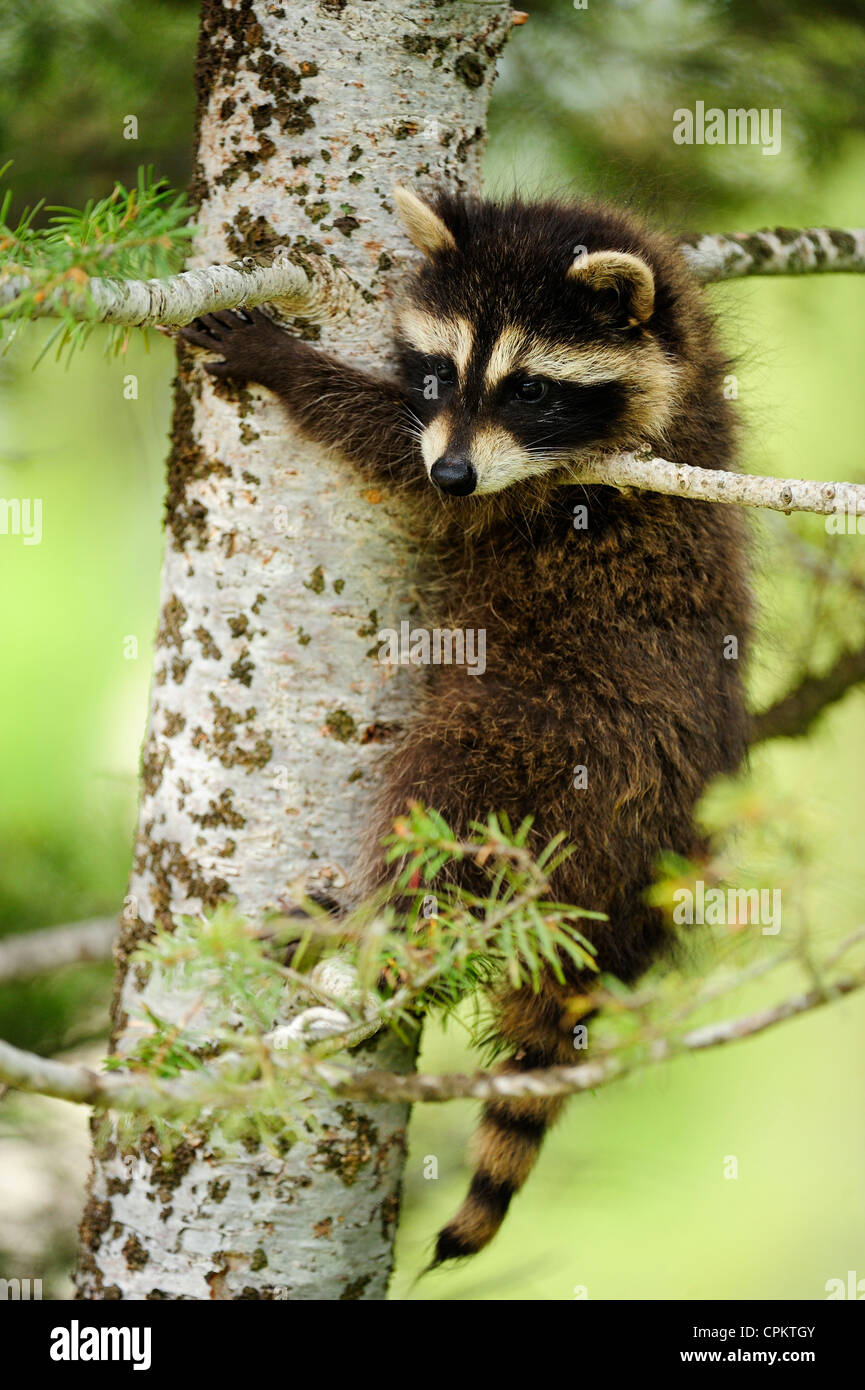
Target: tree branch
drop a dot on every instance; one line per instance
(716, 485)
(149, 1095)
(792, 716)
(32, 952)
(304, 285)
(780, 252)
(588, 1076)
(311, 286)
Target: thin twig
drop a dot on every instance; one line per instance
(562, 1081)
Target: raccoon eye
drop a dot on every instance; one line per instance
(445, 373)
(530, 390)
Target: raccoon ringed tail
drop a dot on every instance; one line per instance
(508, 1140)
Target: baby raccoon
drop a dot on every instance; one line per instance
(530, 338)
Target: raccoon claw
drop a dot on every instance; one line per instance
(237, 334)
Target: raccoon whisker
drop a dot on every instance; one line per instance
(411, 431)
(415, 417)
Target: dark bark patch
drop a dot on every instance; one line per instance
(355, 1290)
(209, 648)
(340, 724)
(220, 812)
(346, 1151)
(94, 1223)
(248, 162)
(167, 1170)
(248, 235)
(469, 68)
(173, 723)
(173, 617)
(223, 738)
(463, 146)
(242, 669)
(134, 1254)
(169, 866)
(155, 757)
(185, 516)
(381, 731)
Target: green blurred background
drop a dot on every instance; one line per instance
(629, 1198)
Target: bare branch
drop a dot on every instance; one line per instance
(32, 952)
(213, 1086)
(308, 285)
(717, 485)
(780, 252)
(793, 716)
(562, 1081)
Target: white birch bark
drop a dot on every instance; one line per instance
(268, 714)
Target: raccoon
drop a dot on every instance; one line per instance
(530, 339)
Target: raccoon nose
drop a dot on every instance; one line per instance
(454, 475)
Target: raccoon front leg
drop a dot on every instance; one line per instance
(365, 418)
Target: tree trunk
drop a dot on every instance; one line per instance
(267, 713)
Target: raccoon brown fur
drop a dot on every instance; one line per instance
(552, 332)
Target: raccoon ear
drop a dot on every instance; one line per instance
(620, 271)
(425, 228)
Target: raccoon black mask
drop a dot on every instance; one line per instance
(525, 341)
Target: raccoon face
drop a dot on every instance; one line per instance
(518, 350)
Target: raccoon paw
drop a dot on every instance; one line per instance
(248, 340)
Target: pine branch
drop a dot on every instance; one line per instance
(306, 285)
(33, 952)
